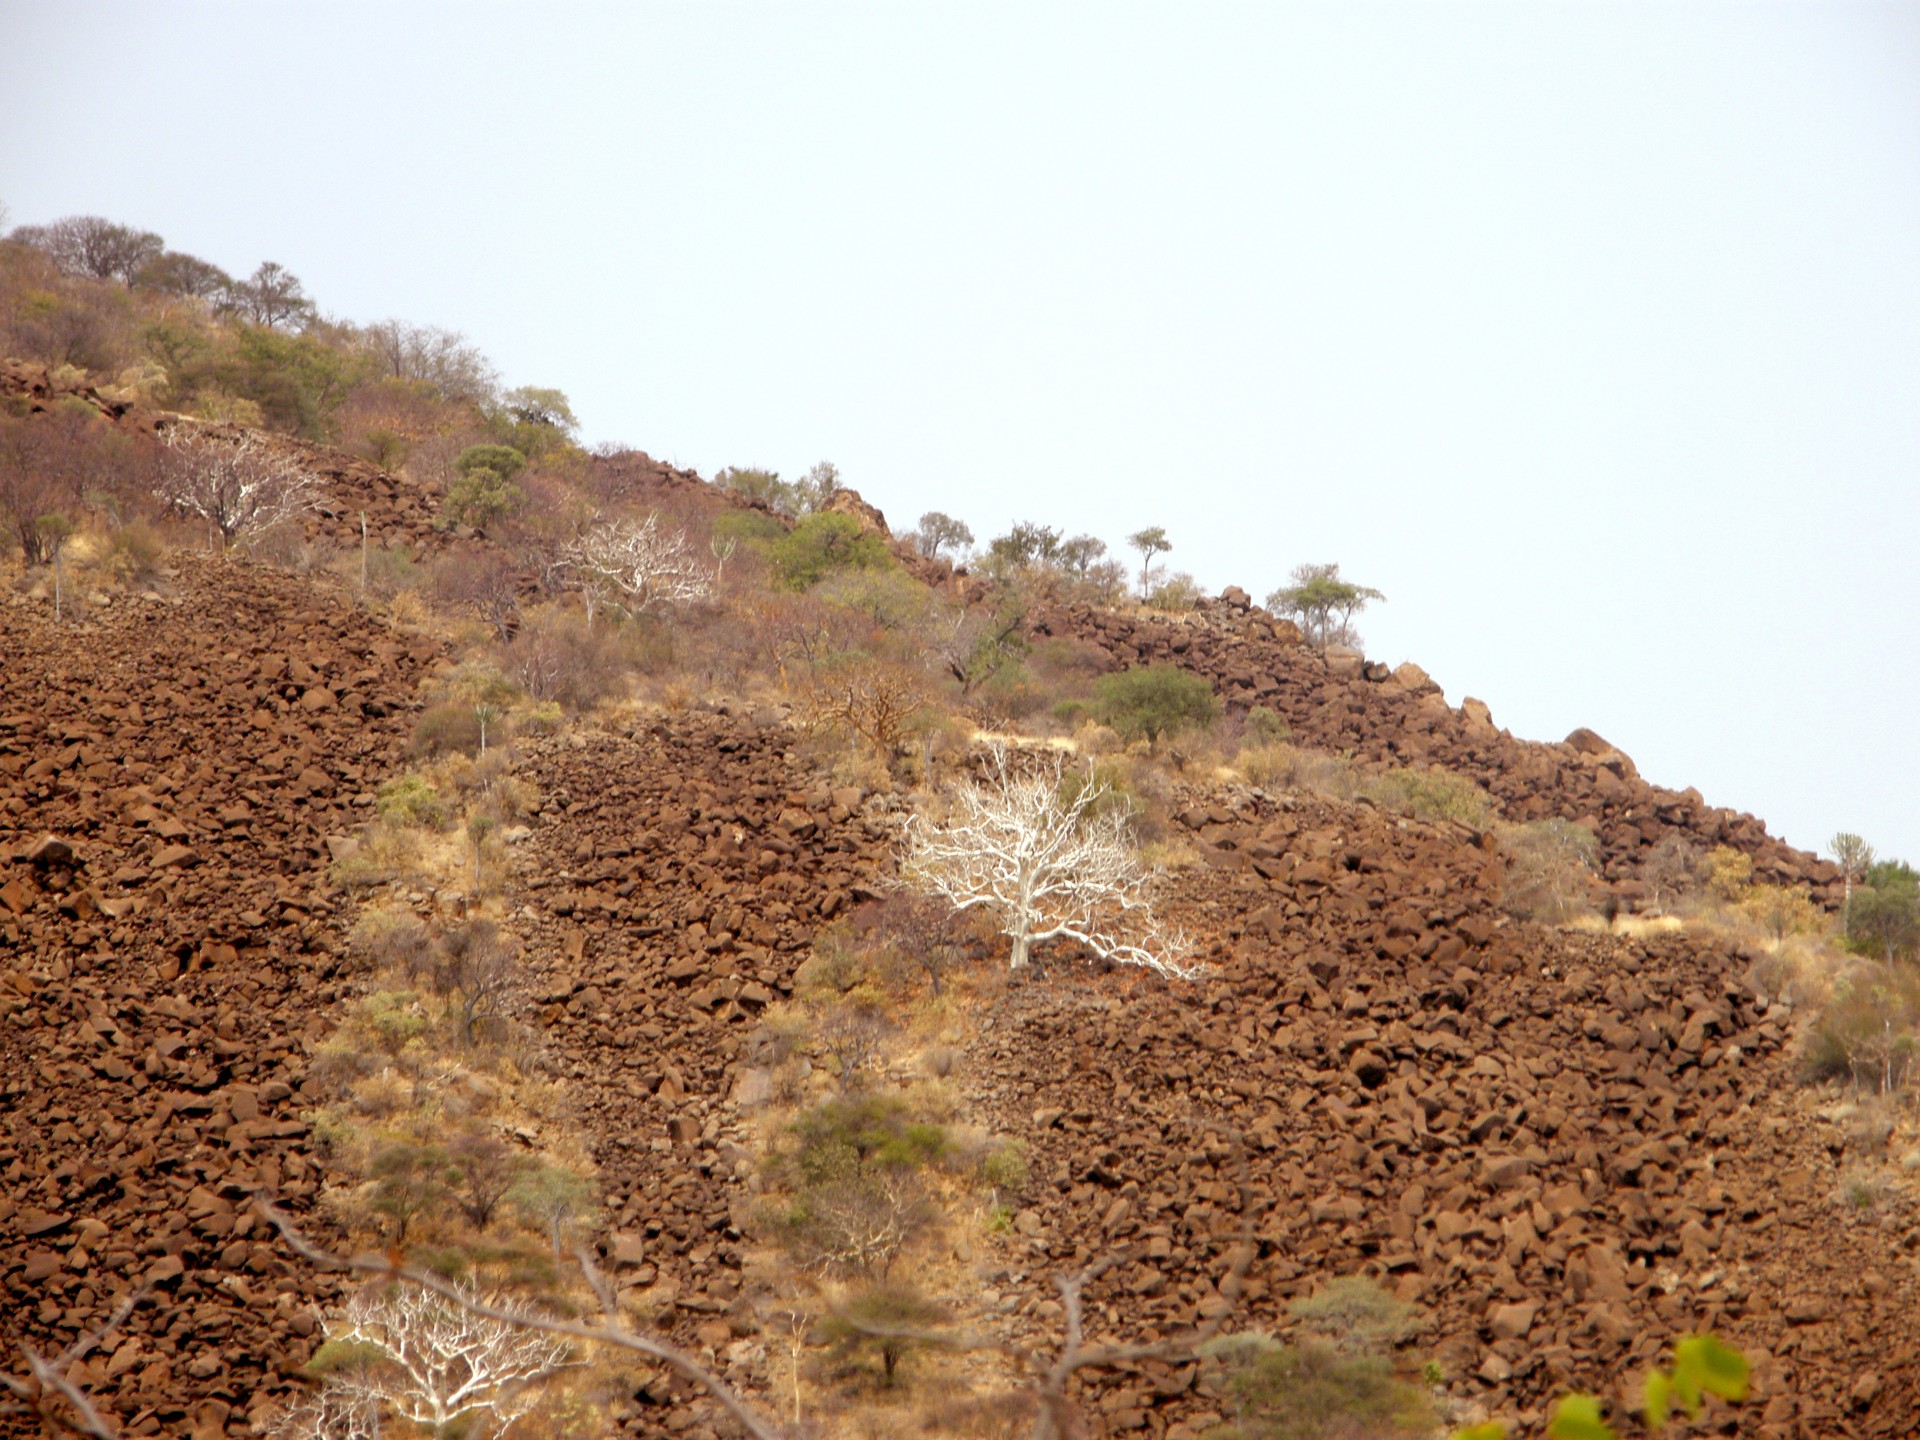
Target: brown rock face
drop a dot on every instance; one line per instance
(1336, 701)
(164, 955)
(848, 502)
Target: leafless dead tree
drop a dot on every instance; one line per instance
(433, 1359)
(330, 1413)
(1054, 1414)
(608, 1333)
(234, 484)
(1048, 860)
(635, 566)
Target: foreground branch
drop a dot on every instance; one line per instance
(48, 1380)
(607, 1334)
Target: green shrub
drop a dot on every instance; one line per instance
(1550, 867)
(445, 730)
(410, 800)
(544, 718)
(1119, 793)
(1174, 594)
(1005, 1168)
(481, 498)
(1432, 794)
(1153, 702)
(822, 545)
(503, 460)
(889, 1319)
(851, 1134)
(1313, 1390)
(1264, 727)
(749, 525)
(391, 1019)
(1867, 1035)
(1354, 1313)
(1008, 694)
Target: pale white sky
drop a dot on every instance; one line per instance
(1588, 332)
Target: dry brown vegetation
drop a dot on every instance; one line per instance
(490, 903)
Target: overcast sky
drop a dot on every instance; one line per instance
(1590, 333)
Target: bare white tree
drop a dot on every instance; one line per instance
(635, 566)
(1048, 860)
(331, 1413)
(234, 485)
(433, 1360)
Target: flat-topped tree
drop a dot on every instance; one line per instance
(1323, 604)
(1149, 542)
(1049, 859)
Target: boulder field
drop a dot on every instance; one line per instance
(170, 767)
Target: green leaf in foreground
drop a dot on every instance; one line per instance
(1577, 1417)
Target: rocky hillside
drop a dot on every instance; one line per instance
(1568, 1146)
(170, 769)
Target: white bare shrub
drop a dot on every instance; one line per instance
(234, 484)
(433, 1360)
(330, 1413)
(635, 566)
(1048, 860)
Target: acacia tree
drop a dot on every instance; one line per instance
(939, 529)
(636, 567)
(1855, 857)
(433, 1361)
(1323, 604)
(1149, 542)
(234, 485)
(1048, 860)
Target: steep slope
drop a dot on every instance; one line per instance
(1570, 1147)
(165, 962)
(1401, 717)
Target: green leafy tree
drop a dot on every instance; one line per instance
(822, 545)
(764, 486)
(1149, 542)
(1078, 555)
(1323, 604)
(940, 531)
(298, 381)
(820, 484)
(1153, 702)
(1025, 546)
(483, 492)
(1886, 911)
(553, 1198)
(539, 405)
(409, 1181)
(175, 273)
(535, 420)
